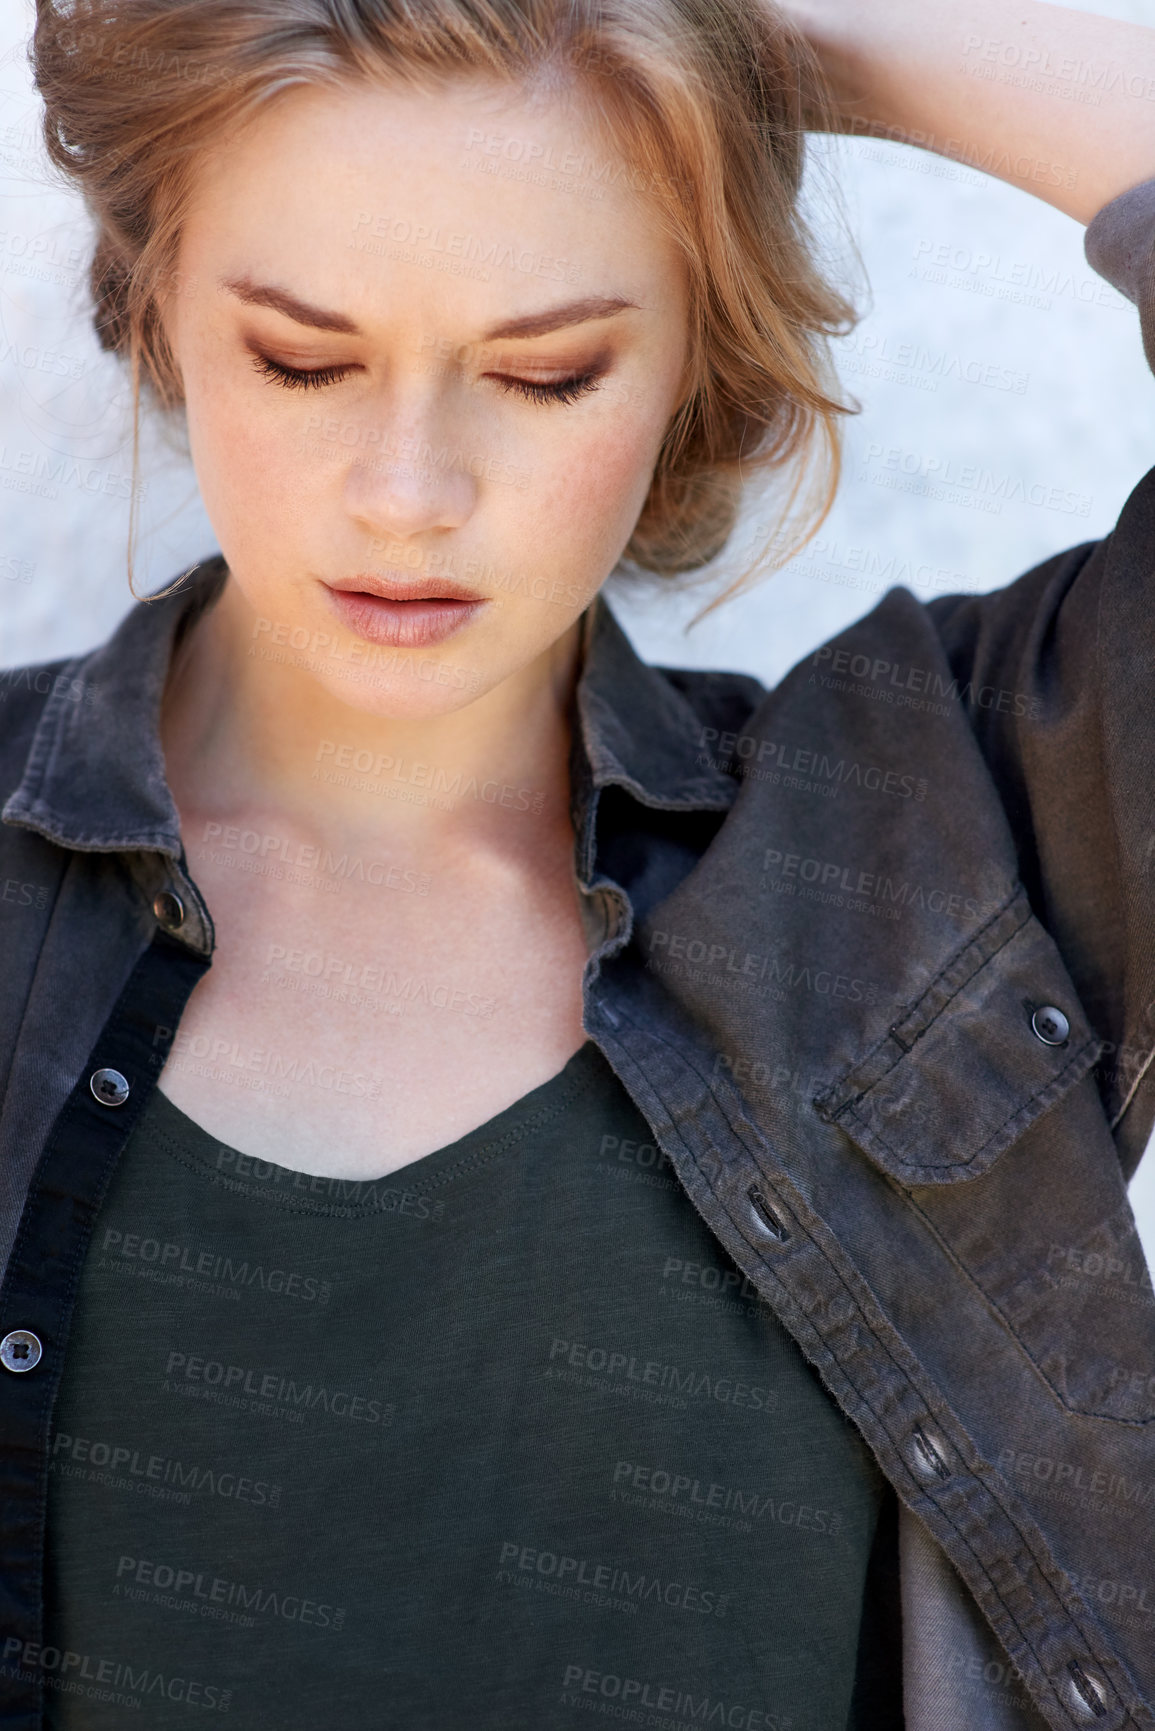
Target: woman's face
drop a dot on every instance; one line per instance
(429, 343)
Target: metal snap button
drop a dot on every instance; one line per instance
(109, 1087)
(1088, 1693)
(764, 1216)
(169, 910)
(1050, 1026)
(20, 1350)
(928, 1455)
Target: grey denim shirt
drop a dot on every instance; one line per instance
(874, 954)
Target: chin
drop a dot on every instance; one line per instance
(428, 689)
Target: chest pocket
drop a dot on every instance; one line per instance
(980, 1104)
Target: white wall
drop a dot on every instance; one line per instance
(931, 363)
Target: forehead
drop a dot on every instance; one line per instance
(478, 199)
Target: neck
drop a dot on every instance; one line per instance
(245, 734)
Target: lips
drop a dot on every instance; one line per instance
(399, 587)
(403, 612)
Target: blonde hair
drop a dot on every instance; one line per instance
(705, 102)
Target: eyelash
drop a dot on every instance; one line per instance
(296, 379)
(564, 391)
(293, 378)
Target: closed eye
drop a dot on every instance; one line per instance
(561, 391)
(303, 379)
(296, 378)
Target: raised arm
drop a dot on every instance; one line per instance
(1060, 103)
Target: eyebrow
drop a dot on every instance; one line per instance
(560, 318)
(264, 295)
(540, 324)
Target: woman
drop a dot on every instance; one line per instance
(478, 1125)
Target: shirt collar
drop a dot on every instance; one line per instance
(95, 777)
(636, 729)
(95, 774)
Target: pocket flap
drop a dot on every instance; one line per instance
(973, 1062)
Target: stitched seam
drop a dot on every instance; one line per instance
(992, 1304)
(1131, 1090)
(484, 1156)
(42, 820)
(958, 1165)
(861, 1063)
(697, 798)
(1101, 746)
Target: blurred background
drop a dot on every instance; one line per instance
(985, 339)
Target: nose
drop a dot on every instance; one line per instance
(409, 475)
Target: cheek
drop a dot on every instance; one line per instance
(594, 488)
(255, 467)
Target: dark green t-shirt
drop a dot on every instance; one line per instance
(500, 1440)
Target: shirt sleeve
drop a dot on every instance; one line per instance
(1059, 664)
(1120, 245)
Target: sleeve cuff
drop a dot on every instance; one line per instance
(1120, 245)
